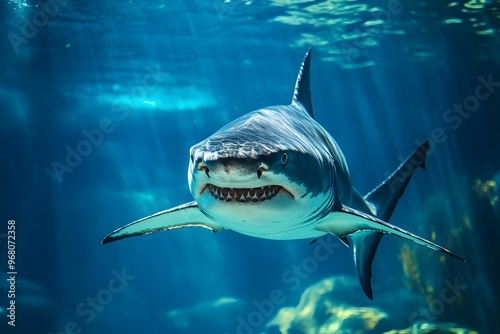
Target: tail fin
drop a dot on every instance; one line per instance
(384, 199)
(386, 195)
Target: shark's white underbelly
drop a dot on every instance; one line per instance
(279, 231)
(281, 218)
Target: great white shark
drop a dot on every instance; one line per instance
(275, 173)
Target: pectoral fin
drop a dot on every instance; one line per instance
(346, 221)
(185, 215)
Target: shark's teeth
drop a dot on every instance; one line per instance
(243, 195)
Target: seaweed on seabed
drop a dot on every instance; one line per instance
(428, 328)
(467, 220)
(427, 272)
(424, 275)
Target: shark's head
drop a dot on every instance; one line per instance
(262, 172)
(268, 172)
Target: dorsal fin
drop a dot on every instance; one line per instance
(302, 92)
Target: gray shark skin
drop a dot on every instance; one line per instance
(275, 173)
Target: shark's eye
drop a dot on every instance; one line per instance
(284, 159)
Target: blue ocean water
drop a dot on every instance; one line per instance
(101, 101)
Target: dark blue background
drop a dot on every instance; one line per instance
(218, 61)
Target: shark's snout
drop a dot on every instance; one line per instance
(227, 169)
(237, 180)
(230, 169)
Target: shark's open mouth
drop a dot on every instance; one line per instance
(244, 195)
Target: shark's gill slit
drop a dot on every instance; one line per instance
(244, 195)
